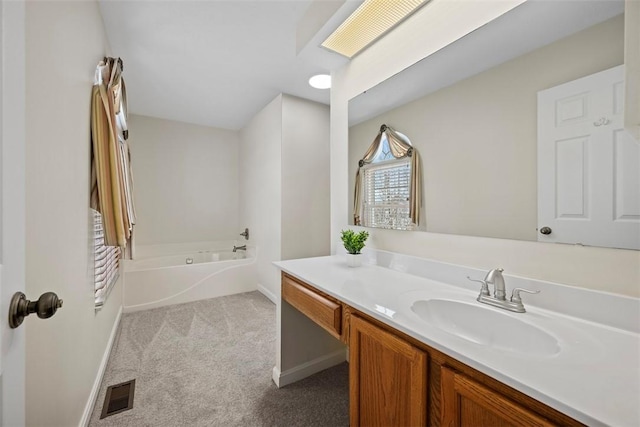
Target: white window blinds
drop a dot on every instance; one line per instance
(386, 195)
(107, 262)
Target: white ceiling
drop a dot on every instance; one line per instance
(525, 28)
(213, 63)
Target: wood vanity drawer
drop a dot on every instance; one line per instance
(323, 310)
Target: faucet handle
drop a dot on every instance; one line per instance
(515, 294)
(485, 287)
(245, 234)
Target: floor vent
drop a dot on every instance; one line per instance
(119, 398)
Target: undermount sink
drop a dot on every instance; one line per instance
(486, 326)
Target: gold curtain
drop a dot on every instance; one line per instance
(111, 183)
(400, 148)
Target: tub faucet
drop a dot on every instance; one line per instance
(495, 278)
(239, 248)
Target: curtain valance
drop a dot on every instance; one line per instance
(111, 178)
(400, 147)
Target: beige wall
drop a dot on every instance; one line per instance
(284, 184)
(632, 67)
(305, 178)
(2, 36)
(64, 42)
(480, 177)
(261, 189)
(186, 181)
(305, 224)
(284, 187)
(424, 33)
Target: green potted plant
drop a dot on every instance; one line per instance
(353, 243)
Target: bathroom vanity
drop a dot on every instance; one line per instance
(423, 351)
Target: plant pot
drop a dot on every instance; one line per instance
(354, 260)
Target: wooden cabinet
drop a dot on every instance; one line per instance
(387, 378)
(396, 380)
(466, 402)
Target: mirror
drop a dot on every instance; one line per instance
(471, 110)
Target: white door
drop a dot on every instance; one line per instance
(12, 209)
(588, 165)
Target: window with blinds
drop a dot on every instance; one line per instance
(386, 195)
(107, 262)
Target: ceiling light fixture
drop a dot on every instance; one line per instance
(320, 81)
(368, 23)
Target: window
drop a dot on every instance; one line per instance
(106, 264)
(387, 185)
(386, 195)
(111, 183)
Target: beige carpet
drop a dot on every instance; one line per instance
(208, 363)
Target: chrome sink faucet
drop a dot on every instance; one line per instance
(499, 298)
(495, 278)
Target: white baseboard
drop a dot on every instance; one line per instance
(88, 409)
(309, 368)
(267, 293)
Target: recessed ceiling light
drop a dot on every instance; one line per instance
(367, 23)
(320, 81)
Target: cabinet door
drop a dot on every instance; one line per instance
(465, 402)
(387, 378)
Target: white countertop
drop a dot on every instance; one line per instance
(594, 378)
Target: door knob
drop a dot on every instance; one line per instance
(21, 307)
(545, 230)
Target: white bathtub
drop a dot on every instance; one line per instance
(157, 278)
(185, 259)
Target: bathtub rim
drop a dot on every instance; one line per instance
(250, 257)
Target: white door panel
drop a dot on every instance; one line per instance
(626, 177)
(12, 191)
(588, 165)
(572, 165)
